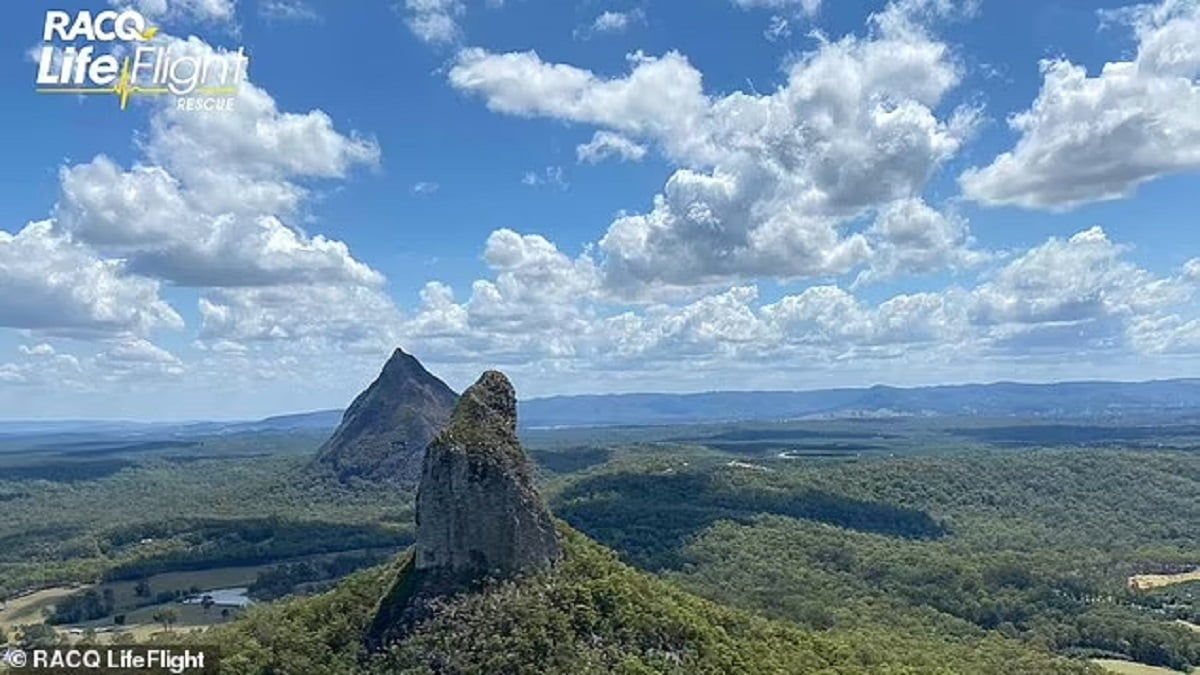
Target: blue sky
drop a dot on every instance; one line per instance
(605, 196)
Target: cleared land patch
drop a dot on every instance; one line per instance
(1145, 582)
(1131, 668)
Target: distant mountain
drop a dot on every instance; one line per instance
(1179, 399)
(1001, 399)
(384, 432)
(312, 421)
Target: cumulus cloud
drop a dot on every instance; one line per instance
(53, 284)
(606, 144)
(312, 318)
(166, 231)
(766, 184)
(1089, 138)
(909, 237)
(434, 21)
(201, 10)
(1070, 296)
(1077, 291)
(215, 204)
(1191, 269)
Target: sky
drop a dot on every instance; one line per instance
(603, 196)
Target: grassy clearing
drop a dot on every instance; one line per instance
(1146, 582)
(31, 608)
(205, 580)
(1131, 668)
(34, 607)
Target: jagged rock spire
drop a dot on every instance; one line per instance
(478, 512)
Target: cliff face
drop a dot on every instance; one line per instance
(478, 513)
(385, 431)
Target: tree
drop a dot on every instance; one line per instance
(142, 588)
(38, 635)
(166, 616)
(119, 619)
(225, 614)
(3, 636)
(207, 602)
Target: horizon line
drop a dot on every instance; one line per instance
(245, 420)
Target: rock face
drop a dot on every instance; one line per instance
(384, 433)
(478, 513)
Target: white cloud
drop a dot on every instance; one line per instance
(1092, 138)
(134, 357)
(287, 10)
(807, 7)
(41, 349)
(1078, 296)
(167, 232)
(52, 284)
(435, 21)
(617, 22)
(201, 10)
(778, 29)
(767, 183)
(311, 318)
(551, 175)
(1191, 269)
(425, 187)
(216, 205)
(605, 144)
(911, 238)
(1077, 292)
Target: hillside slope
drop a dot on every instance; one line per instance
(590, 614)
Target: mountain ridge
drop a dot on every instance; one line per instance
(580, 409)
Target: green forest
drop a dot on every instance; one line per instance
(943, 561)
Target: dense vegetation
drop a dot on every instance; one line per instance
(590, 615)
(873, 559)
(259, 509)
(1035, 545)
(281, 580)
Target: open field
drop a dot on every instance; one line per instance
(205, 580)
(1130, 668)
(33, 608)
(1145, 582)
(30, 608)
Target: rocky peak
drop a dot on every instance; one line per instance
(478, 512)
(385, 430)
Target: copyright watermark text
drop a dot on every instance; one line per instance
(111, 660)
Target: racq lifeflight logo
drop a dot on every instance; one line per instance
(70, 62)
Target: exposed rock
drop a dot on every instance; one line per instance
(385, 431)
(478, 513)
